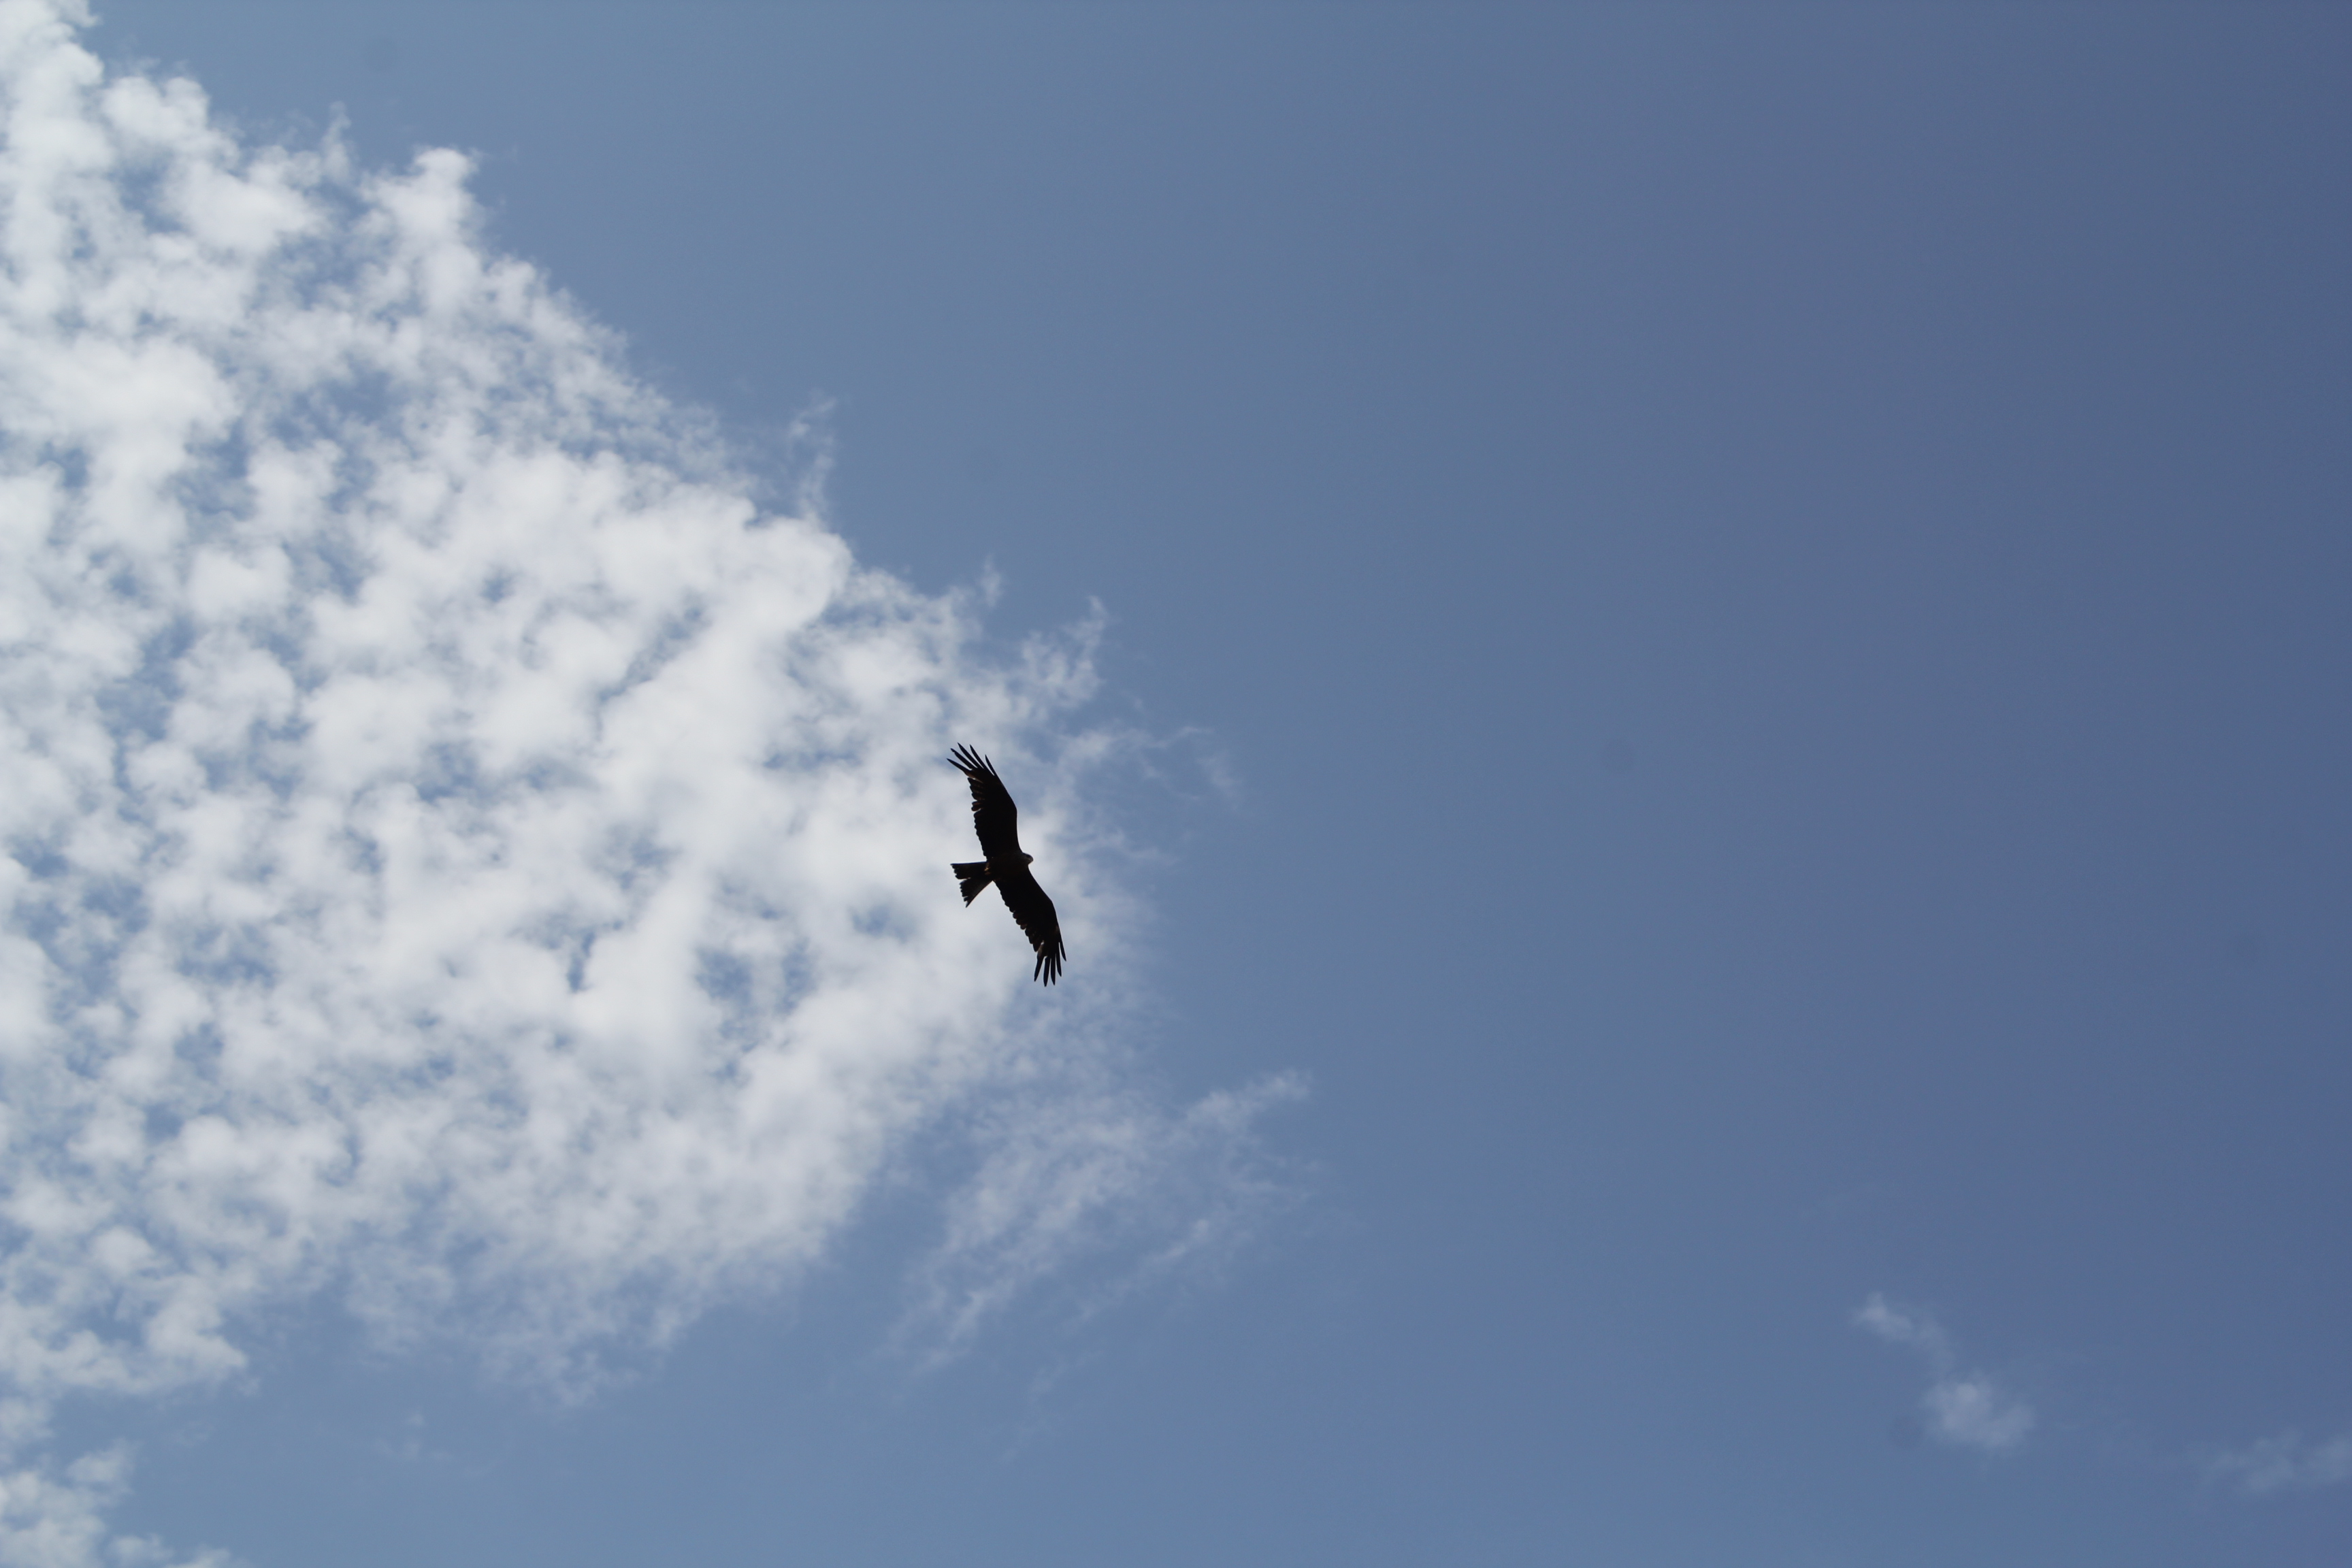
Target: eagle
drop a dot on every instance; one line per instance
(998, 822)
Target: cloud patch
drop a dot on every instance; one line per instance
(1967, 1409)
(2283, 1464)
(459, 855)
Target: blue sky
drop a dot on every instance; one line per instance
(1680, 670)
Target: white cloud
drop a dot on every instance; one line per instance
(1904, 1326)
(457, 853)
(1966, 1408)
(1067, 1179)
(59, 1521)
(1969, 1410)
(2284, 1463)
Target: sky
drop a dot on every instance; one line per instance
(1680, 670)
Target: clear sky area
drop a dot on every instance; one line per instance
(1681, 672)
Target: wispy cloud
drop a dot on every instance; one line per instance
(1069, 1181)
(1966, 1408)
(2284, 1463)
(458, 854)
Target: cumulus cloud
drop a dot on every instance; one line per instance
(459, 856)
(1966, 1408)
(2284, 1463)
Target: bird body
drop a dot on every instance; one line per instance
(997, 821)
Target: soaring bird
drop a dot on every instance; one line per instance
(998, 822)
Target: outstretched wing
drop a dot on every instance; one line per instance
(993, 815)
(1033, 912)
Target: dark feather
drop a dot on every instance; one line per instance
(997, 821)
(993, 815)
(1033, 912)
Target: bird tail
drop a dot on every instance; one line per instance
(972, 877)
